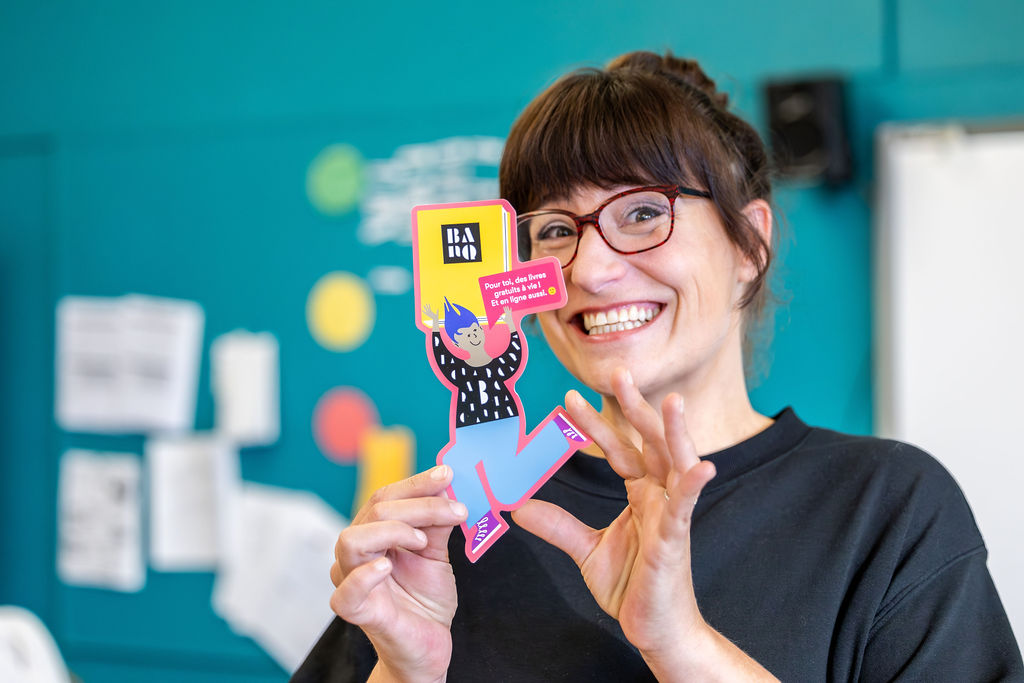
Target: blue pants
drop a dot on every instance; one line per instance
(510, 475)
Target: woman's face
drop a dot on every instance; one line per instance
(681, 300)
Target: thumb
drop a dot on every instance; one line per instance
(559, 528)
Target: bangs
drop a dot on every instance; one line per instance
(599, 129)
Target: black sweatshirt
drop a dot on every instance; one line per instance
(482, 394)
(823, 556)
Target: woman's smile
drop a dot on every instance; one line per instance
(598, 322)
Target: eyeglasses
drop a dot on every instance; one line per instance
(629, 222)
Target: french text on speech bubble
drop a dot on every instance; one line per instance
(536, 286)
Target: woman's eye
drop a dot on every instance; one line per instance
(640, 214)
(554, 231)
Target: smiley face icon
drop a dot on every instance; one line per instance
(551, 291)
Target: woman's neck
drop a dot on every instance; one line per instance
(717, 408)
(711, 429)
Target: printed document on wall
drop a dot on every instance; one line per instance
(89, 364)
(273, 586)
(100, 520)
(127, 364)
(244, 375)
(193, 482)
(162, 344)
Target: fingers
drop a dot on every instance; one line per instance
(635, 407)
(387, 522)
(360, 543)
(683, 490)
(395, 524)
(646, 420)
(681, 450)
(667, 444)
(626, 459)
(350, 600)
(685, 487)
(559, 528)
(619, 451)
(401, 515)
(429, 483)
(415, 512)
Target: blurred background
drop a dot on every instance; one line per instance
(207, 348)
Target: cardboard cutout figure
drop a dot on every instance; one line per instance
(463, 261)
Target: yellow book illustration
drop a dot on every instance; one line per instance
(454, 246)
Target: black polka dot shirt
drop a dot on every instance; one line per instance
(482, 394)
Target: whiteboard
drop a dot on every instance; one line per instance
(949, 320)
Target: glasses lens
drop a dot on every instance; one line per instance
(637, 221)
(551, 234)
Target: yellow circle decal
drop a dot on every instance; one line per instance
(335, 179)
(551, 291)
(340, 311)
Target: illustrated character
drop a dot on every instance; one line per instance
(491, 471)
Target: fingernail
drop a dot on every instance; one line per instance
(439, 472)
(420, 536)
(458, 508)
(574, 397)
(680, 405)
(629, 377)
(382, 565)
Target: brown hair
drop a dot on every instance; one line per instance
(643, 119)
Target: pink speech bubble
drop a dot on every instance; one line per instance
(536, 286)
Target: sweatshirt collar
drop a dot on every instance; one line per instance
(596, 476)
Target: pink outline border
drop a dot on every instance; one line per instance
(510, 382)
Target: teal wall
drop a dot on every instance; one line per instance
(162, 148)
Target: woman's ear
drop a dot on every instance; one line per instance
(759, 214)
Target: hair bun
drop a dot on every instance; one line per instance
(687, 71)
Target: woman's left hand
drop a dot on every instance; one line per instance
(638, 568)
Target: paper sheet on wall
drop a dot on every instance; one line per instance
(274, 585)
(127, 364)
(89, 360)
(100, 520)
(193, 483)
(162, 344)
(244, 377)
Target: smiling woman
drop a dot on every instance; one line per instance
(713, 543)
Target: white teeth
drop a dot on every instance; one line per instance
(619, 320)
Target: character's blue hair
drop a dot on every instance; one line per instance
(456, 318)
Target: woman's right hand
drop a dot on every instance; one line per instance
(392, 576)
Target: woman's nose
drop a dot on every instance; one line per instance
(596, 264)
